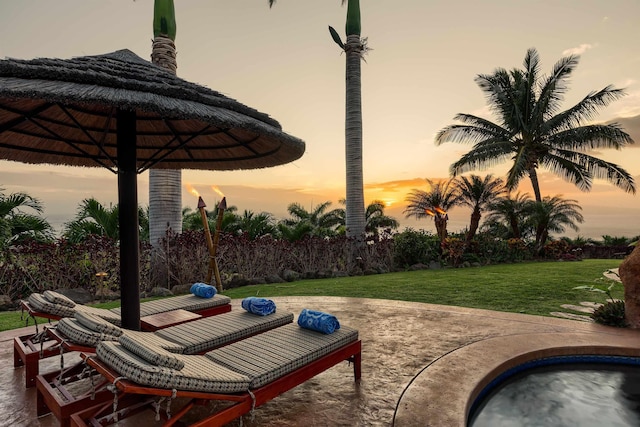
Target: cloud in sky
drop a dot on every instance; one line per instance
(577, 50)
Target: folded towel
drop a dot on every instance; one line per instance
(203, 290)
(318, 321)
(260, 306)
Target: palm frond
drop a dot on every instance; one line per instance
(591, 137)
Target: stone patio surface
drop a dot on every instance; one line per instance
(422, 364)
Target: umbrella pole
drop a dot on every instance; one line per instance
(128, 210)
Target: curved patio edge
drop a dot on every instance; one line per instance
(443, 392)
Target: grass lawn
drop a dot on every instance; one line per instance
(531, 288)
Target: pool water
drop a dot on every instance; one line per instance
(583, 394)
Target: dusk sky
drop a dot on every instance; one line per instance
(283, 62)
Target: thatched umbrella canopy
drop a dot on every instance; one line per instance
(125, 114)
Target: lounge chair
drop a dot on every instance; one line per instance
(194, 337)
(29, 349)
(247, 374)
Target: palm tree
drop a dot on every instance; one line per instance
(93, 218)
(510, 211)
(533, 133)
(434, 203)
(354, 48)
(375, 218)
(17, 225)
(255, 225)
(322, 223)
(165, 186)
(553, 215)
(477, 193)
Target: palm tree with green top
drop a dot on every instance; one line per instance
(534, 133)
(434, 203)
(165, 186)
(477, 193)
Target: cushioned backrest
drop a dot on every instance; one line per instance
(41, 304)
(97, 324)
(79, 334)
(151, 353)
(58, 298)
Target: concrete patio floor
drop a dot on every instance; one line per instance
(422, 364)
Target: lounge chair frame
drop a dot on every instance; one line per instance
(28, 350)
(134, 398)
(52, 394)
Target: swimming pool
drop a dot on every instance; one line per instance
(561, 392)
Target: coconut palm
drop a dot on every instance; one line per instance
(534, 133)
(165, 186)
(511, 212)
(355, 47)
(433, 203)
(477, 193)
(553, 215)
(17, 225)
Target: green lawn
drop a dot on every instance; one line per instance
(532, 288)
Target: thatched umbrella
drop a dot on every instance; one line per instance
(125, 114)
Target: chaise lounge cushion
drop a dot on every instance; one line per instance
(97, 323)
(79, 334)
(151, 353)
(185, 302)
(268, 356)
(39, 303)
(58, 298)
(211, 332)
(198, 373)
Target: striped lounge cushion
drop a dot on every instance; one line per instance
(97, 323)
(272, 354)
(103, 313)
(151, 353)
(153, 340)
(215, 331)
(58, 298)
(79, 334)
(198, 373)
(185, 302)
(39, 303)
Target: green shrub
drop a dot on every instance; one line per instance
(413, 247)
(611, 313)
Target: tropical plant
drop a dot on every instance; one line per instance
(477, 193)
(433, 203)
(375, 218)
(165, 186)
(254, 225)
(510, 212)
(534, 133)
(17, 225)
(192, 220)
(553, 215)
(322, 223)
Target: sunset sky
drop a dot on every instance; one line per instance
(283, 62)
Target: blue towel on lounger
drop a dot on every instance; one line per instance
(203, 290)
(260, 306)
(318, 321)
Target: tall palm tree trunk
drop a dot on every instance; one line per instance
(355, 214)
(533, 176)
(473, 226)
(165, 186)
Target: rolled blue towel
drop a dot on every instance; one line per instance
(318, 321)
(260, 306)
(203, 290)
